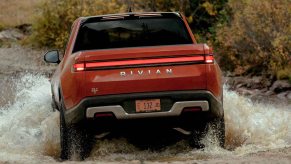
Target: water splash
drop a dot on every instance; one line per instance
(30, 129)
(27, 125)
(252, 127)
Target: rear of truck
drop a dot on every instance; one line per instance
(144, 69)
(135, 71)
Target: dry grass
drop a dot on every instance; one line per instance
(17, 12)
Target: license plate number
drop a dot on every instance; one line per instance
(150, 105)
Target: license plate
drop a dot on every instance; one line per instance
(150, 105)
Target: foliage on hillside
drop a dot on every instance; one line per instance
(17, 12)
(257, 39)
(52, 26)
(203, 15)
(1, 26)
(250, 36)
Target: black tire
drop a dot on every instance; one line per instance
(82, 139)
(218, 126)
(53, 104)
(64, 138)
(74, 138)
(198, 133)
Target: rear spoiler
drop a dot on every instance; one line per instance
(132, 15)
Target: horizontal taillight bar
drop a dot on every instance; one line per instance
(84, 66)
(143, 62)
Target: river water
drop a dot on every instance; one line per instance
(29, 132)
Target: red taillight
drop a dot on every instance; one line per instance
(79, 67)
(102, 115)
(143, 62)
(191, 109)
(209, 59)
(85, 66)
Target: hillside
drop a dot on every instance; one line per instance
(17, 12)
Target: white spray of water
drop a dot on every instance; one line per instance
(29, 127)
(252, 127)
(29, 123)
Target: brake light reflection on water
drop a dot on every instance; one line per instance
(29, 129)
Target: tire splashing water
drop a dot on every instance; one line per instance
(29, 130)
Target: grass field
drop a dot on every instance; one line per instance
(16, 12)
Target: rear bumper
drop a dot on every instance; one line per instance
(86, 109)
(120, 113)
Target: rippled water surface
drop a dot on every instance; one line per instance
(29, 130)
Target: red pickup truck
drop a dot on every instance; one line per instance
(145, 69)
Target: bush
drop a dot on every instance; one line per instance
(203, 15)
(257, 39)
(284, 74)
(1, 27)
(52, 26)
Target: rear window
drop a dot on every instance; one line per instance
(131, 33)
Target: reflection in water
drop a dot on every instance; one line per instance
(29, 130)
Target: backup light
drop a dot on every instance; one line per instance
(79, 67)
(209, 59)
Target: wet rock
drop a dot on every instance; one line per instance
(256, 82)
(260, 88)
(269, 93)
(289, 95)
(245, 91)
(235, 82)
(282, 95)
(11, 34)
(280, 86)
(25, 28)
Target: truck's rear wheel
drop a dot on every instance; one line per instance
(217, 126)
(64, 138)
(197, 135)
(74, 138)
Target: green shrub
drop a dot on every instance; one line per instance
(284, 74)
(1, 26)
(203, 15)
(257, 38)
(52, 25)
(51, 28)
